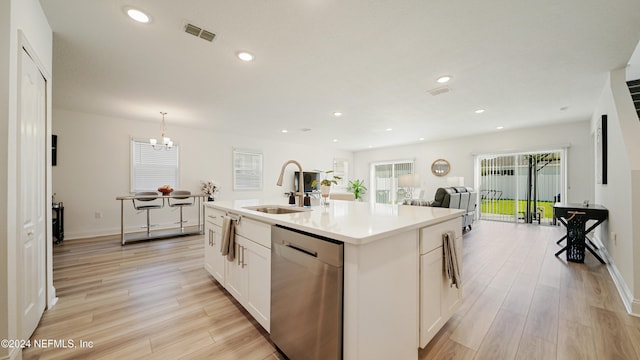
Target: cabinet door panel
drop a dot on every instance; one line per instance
(214, 262)
(257, 260)
(208, 246)
(431, 284)
(236, 278)
(218, 260)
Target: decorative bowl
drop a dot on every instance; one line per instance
(165, 190)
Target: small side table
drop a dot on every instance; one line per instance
(574, 217)
(58, 222)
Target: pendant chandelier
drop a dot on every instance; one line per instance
(166, 141)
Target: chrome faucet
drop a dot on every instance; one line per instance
(300, 180)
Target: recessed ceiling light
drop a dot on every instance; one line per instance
(138, 15)
(479, 111)
(335, 140)
(499, 127)
(337, 113)
(421, 139)
(284, 131)
(245, 56)
(388, 129)
(443, 79)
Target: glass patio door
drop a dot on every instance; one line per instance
(521, 187)
(385, 181)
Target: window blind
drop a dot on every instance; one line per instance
(151, 168)
(247, 170)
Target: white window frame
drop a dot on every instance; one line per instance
(341, 169)
(393, 192)
(247, 170)
(167, 174)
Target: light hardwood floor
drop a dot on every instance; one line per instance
(522, 302)
(149, 300)
(154, 300)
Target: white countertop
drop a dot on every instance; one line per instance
(348, 221)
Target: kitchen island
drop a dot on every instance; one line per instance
(396, 294)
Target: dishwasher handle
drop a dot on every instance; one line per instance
(308, 252)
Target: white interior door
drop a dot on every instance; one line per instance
(31, 192)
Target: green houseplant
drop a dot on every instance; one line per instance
(357, 188)
(325, 184)
(326, 181)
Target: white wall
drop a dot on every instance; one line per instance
(633, 70)
(622, 193)
(94, 168)
(460, 154)
(25, 17)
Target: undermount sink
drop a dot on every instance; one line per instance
(275, 209)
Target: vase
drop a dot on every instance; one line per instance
(210, 198)
(324, 192)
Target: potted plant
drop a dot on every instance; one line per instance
(357, 188)
(325, 184)
(209, 188)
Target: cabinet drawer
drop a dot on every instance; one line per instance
(431, 237)
(214, 215)
(257, 231)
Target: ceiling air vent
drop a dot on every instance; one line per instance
(439, 90)
(199, 32)
(209, 36)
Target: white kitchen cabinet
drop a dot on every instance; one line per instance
(214, 261)
(248, 277)
(208, 246)
(438, 300)
(236, 283)
(257, 260)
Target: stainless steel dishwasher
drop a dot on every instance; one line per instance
(306, 294)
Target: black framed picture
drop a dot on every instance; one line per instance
(54, 150)
(601, 151)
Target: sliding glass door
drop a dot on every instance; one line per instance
(521, 186)
(385, 181)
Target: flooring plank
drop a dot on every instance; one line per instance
(611, 338)
(542, 320)
(535, 348)
(575, 341)
(503, 338)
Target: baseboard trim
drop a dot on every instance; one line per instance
(90, 234)
(116, 231)
(631, 305)
(14, 353)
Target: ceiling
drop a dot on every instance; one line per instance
(527, 63)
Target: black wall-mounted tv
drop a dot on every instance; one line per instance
(308, 177)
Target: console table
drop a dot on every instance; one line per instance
(574, 217)
(163, 233)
